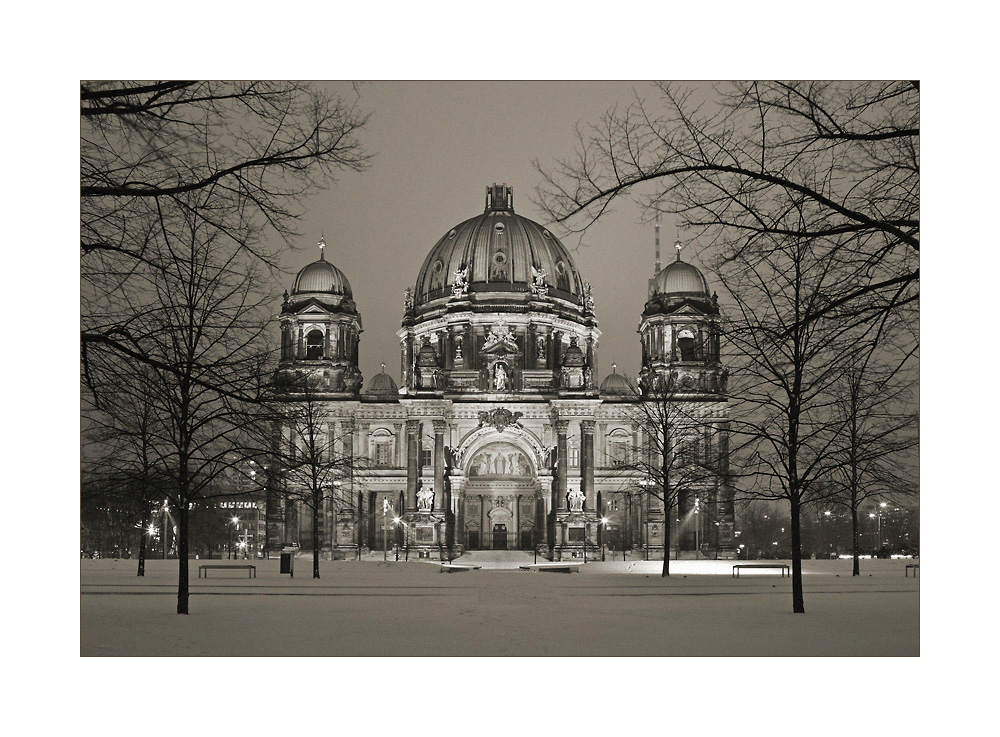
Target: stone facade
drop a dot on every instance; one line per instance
(498, 437)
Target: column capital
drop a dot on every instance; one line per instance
(440, 427)
(588, 426)
(562, 426)
(412, 426)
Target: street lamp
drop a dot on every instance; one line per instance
(163, 537)
(385, 531)
(236, 524)
(395, 535)
(697, 528)
(604, 535)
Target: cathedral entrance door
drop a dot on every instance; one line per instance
(499, 537)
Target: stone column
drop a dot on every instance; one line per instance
(440, 426)
(561, 449)
(353, 498)
(587, 461)
(412, 463)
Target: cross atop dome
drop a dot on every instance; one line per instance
(678, 245)
(322, 246)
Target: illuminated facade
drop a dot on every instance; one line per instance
(499, 436)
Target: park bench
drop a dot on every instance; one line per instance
(784, 567)
(553, 567)
(251, 570)
(914, 566)
(451, 567)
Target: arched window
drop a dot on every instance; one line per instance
(381, 448)
(618, 442)
(314, 345)
(688, 345)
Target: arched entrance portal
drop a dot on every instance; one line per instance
(501, 499)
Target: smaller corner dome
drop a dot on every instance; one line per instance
(616, 383)
(322, 277)
(680, 277)
(382, 384)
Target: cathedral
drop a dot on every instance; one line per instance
(499, 434)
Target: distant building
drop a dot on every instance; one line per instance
(499, 435)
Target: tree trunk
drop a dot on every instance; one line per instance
(854, 540)
(142, 541)
(666, 542)
(798, 603)
(316, 516)
(182, 556)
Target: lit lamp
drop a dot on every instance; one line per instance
(395, 523)
(236, 522)
(604, 521)
(697, 527)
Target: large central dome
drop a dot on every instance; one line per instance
(498, 251)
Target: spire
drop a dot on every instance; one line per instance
(322, 246)
(678, 245)
(656, 269)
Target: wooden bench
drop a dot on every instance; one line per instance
(251, 570)
(553, 567)
(912, 566)
(784, 567)
(451, 567)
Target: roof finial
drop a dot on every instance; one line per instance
(383, 367)
(322, 245)
(678, 245)
(614, 368)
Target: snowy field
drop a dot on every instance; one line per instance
(615, 608)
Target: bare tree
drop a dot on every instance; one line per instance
(729, 166)
(236, 158)
(311, 458)
(872, 400)
(201, 317)
(119, 434)
(681, 452)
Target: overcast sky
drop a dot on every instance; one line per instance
(437, 146)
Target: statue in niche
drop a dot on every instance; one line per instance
(588, 296)
(425, 500)
(499, 465)
(407, 299)
(458, 347)
(540, 340)
(576, 498)
(501, 380)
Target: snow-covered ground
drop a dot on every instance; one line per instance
(371, 608)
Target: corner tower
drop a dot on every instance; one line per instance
(679, 332)
(321, 329)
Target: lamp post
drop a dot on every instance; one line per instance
(395, 535)
(604, 536)
(697, 528)
(236, 527)
(881, 508)
(163, 536)
(385, 531)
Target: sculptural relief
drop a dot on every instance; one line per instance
(500, 460)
